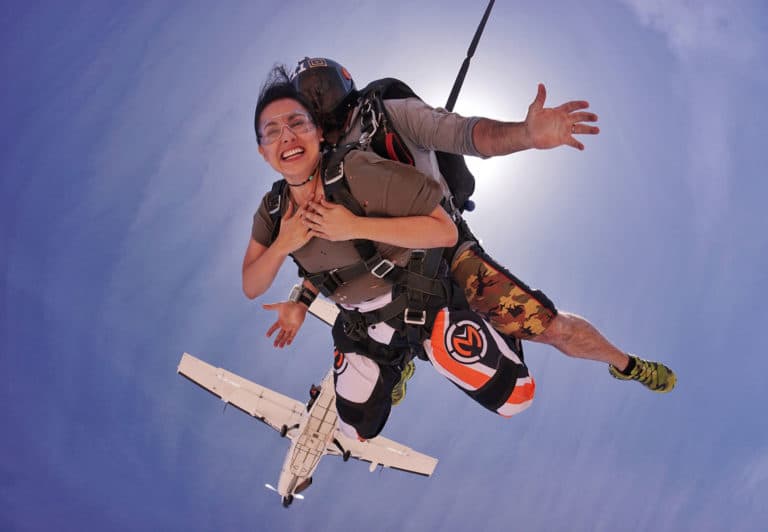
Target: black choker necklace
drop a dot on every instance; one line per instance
(307, 180)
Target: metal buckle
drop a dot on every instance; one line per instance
(418, 254)
(338, 176)
(382, 268)
(366, 136)
(295, 294)
(410, 319)
(277, 206)
(454, 212)
(333, 276)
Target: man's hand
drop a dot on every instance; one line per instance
(290, 317)
(293, 233)
(330, 221)
(555, 126)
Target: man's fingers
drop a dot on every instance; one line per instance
(575, 105)
(583, 117)
(574, 143)
(584, 129)
(541, 95)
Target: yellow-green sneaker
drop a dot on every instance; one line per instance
(398, 392)
(653, 375)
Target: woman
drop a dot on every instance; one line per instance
(399, 211)
(402, 212)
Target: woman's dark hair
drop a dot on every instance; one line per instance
(277, 87)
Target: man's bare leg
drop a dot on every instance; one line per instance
(576, 337)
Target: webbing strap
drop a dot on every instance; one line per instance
(274, 206)
(419, 293)
(329, 281)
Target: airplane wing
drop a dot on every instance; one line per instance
(386, 452)
(274, 409)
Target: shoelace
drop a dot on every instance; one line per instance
(648, 374)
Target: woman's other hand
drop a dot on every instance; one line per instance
(290, 317)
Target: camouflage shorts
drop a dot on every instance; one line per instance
(502, 299)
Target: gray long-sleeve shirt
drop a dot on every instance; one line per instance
(424, 130)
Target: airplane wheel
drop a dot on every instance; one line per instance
(283, 431)
(346, 455)
(314, 391)
(287, 501)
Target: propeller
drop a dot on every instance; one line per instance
(295, 495)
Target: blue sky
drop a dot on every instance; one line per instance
(128, 178)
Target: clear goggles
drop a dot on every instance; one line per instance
(297, 121)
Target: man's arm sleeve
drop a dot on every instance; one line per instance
(433, 129)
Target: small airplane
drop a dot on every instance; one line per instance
(312, 427)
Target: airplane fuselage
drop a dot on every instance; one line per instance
(314, 433)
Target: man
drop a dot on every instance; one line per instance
(506, 302)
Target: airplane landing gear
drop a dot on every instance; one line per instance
(345, 453)
(287, 501)
(283, 431)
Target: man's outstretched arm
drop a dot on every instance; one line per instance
(544, 128)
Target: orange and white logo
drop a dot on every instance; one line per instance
(465, 341)
(339, 362)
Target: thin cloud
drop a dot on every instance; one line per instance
(708, 38)
(705, 26)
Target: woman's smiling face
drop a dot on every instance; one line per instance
(288, 139)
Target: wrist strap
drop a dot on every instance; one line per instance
(306, 296)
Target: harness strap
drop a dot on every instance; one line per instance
(355, 327)
(329, 281)
(420, 291)
(274, 205)
(394, 354)
(336, 189)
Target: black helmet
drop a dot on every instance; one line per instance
(327, 85)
